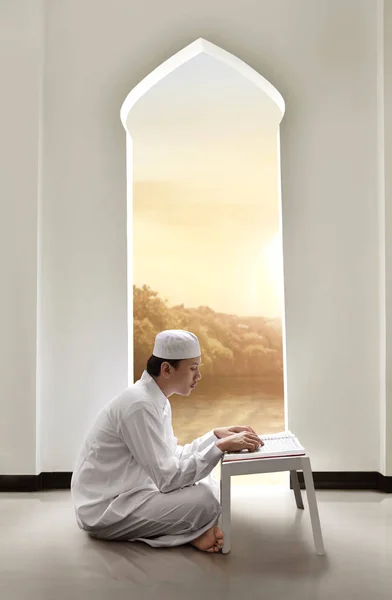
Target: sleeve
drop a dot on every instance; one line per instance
(143, 433)
(198, 445)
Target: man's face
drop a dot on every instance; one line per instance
(185, 377)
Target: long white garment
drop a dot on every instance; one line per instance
(130, 454)
(170, 519)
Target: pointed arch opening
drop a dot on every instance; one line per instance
(204, 230)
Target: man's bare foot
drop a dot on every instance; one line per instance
(219, 537)
(210, 541)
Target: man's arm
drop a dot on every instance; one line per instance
(143, 432)
(212, 437)
(198, 445)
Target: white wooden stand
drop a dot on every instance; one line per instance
(271, 465)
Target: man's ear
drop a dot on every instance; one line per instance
(165, 370)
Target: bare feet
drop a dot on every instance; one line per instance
(210, 541)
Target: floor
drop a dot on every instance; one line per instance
(43, 556)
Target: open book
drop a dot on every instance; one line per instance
(276, 445)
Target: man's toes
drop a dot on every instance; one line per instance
(219, 535)
(219, 542)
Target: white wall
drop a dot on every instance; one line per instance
(322, 56)
(388, 230)
(20, 64)
(84, 290)
(329, 143)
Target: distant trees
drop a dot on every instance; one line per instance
(231, 345)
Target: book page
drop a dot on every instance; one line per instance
(281, 444)
(279, 435)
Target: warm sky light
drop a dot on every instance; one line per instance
(206, 207)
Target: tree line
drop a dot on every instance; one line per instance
(231, 345)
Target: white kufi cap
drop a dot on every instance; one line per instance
(176, 344)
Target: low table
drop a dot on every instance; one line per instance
(271, 465)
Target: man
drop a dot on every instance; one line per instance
(132, 480)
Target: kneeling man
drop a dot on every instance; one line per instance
(133, 481)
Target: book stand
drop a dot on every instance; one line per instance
(271, 465)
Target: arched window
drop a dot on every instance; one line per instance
(204, 234)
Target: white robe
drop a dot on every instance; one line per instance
(133, 481)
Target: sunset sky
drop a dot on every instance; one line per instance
(205, 199)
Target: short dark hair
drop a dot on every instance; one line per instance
(154, 365)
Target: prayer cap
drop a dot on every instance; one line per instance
(176, 344)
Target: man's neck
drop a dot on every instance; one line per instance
(165, 389)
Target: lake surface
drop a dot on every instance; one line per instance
(221, 401)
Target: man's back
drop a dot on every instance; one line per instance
(107, 474)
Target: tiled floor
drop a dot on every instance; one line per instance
(43, 556)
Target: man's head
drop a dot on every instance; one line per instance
(175, 362)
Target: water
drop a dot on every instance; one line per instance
(221, 401)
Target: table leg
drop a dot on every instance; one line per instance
(313, 509)
(226, 508)
(297, 489)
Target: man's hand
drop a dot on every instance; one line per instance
(222, 432)
(244, 440)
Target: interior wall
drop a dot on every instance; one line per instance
(20, 66)
(329, 187)
(387, 69)
(83, 361)
(328, 183)
(322, 57)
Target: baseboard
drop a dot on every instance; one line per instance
(349, 480)
(334, 480)
(35, 483)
